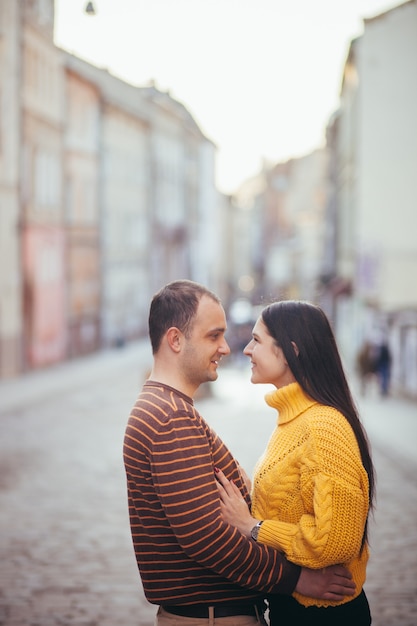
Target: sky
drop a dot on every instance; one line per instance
(260, 77)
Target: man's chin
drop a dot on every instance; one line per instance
(212, 376)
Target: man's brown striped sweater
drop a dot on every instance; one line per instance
(186, 554)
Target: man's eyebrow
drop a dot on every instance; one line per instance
(217, 329)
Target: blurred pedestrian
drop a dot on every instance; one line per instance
(366, 365)
(193, 564)
(314, 484)
(383, 368)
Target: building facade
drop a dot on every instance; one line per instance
(107, 192)
(11, 292)
(82, 163)
(283, 210)
(42, 229)
(373, 144)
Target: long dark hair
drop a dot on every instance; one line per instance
(318, 367)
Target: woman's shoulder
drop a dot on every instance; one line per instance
(327, 419)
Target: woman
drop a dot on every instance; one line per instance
(314, 485)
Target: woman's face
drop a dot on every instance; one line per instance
(267, 359)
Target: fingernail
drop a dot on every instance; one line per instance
(216, 469)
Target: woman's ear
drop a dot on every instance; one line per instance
(296, 350)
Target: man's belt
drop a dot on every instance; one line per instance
(225, 610)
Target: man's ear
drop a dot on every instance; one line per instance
(174, 338)
(296, 350)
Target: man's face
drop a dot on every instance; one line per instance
(206, 344)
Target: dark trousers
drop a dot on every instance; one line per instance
(286, 611)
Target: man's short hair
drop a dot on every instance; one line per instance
(176, 305)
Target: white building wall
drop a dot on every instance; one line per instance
(42, 98)
(377, 191)
(305, 205)
(387, 157)
(207, 243)
(125, 225)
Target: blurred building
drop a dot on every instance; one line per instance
(107, 192)
(370, 273)
(283, 209)
(243, 243)
(41, 233)
(297, 196)
(11, 279)
(82, 166)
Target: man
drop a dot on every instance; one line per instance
(191, 562)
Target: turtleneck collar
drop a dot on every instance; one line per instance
(289, 401)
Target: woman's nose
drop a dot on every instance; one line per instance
(248, 349)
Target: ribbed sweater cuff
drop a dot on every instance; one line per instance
(276, 534)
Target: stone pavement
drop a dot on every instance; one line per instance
(65, 549)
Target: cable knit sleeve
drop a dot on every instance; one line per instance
(320, 494)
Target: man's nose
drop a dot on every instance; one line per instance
(224, 348)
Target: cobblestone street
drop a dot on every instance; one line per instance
(66, 554)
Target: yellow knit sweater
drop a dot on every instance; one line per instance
(311, 488)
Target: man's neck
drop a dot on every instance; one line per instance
(171, 379)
